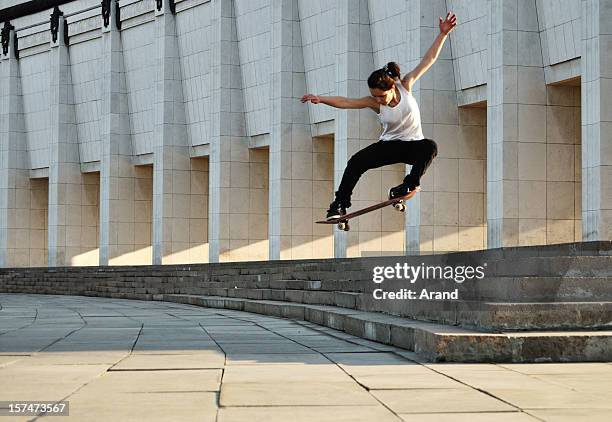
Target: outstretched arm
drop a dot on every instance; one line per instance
(342, 102)
(446, 26)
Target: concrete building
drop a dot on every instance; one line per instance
(171, 131)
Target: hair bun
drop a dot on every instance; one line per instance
(392, 69)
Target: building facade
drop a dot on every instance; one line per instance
(160, 131)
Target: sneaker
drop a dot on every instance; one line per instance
(401, 190)
(336, 210)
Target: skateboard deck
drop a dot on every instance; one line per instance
(397, 202)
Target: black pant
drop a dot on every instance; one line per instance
(419, 154)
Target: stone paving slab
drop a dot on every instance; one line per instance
(559, 368)
(265, 348)
(276, 359)
(494, 378)
(283, 373)
(88, 406)
(251, 338)
(160, 345)
(573, 415)
(75, 358)
(288, 393)
(553, 397)
(452, 400)
(45, 382)
(345, 348)
(6, 360)
(201, 360)
(70, 346)
(174, 333)
(307, 414)
(113, 322)
(157, 381)
(580, 382)
(469, 417)
(391, 379)
(24, 345)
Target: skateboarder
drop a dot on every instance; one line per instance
(402, 139)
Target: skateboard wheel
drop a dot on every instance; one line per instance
(344, 226)
(400, 207)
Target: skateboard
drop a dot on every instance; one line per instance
(398, 204)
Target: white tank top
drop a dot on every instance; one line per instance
(402, 122)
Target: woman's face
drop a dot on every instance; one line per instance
(382, 97)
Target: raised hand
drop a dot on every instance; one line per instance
(312, 98)
(447, 25)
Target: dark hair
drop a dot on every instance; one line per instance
(384, 78)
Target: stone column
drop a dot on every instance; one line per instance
(229, 167)
(171, 162)
(65, 181)
(516, 133)
(291, 148)
(354, 63)
(14, 177)
(118, 229)
(596, 84)
(448, 213)
(413, 234)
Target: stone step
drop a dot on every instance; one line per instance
(504, 316)
(536, 316)
(540, 289)
(512, 288)
(317, 297)
(360, 270)
(286, 284)
(483, 315)
(434, 342)
(567, 266)
(494, 289)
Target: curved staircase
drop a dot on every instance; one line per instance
(545, 303)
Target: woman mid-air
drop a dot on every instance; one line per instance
(402, 139)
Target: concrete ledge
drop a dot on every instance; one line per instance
(475, 96)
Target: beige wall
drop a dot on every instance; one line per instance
(322, 194)
(186, 239)
(453, 200)
(563, 166)
(84, 240)
(243, 230)
(39, 198)
(380, 232)
(198, 212)
(27, 233)
(133, 246)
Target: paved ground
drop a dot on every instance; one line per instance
(126, 360)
